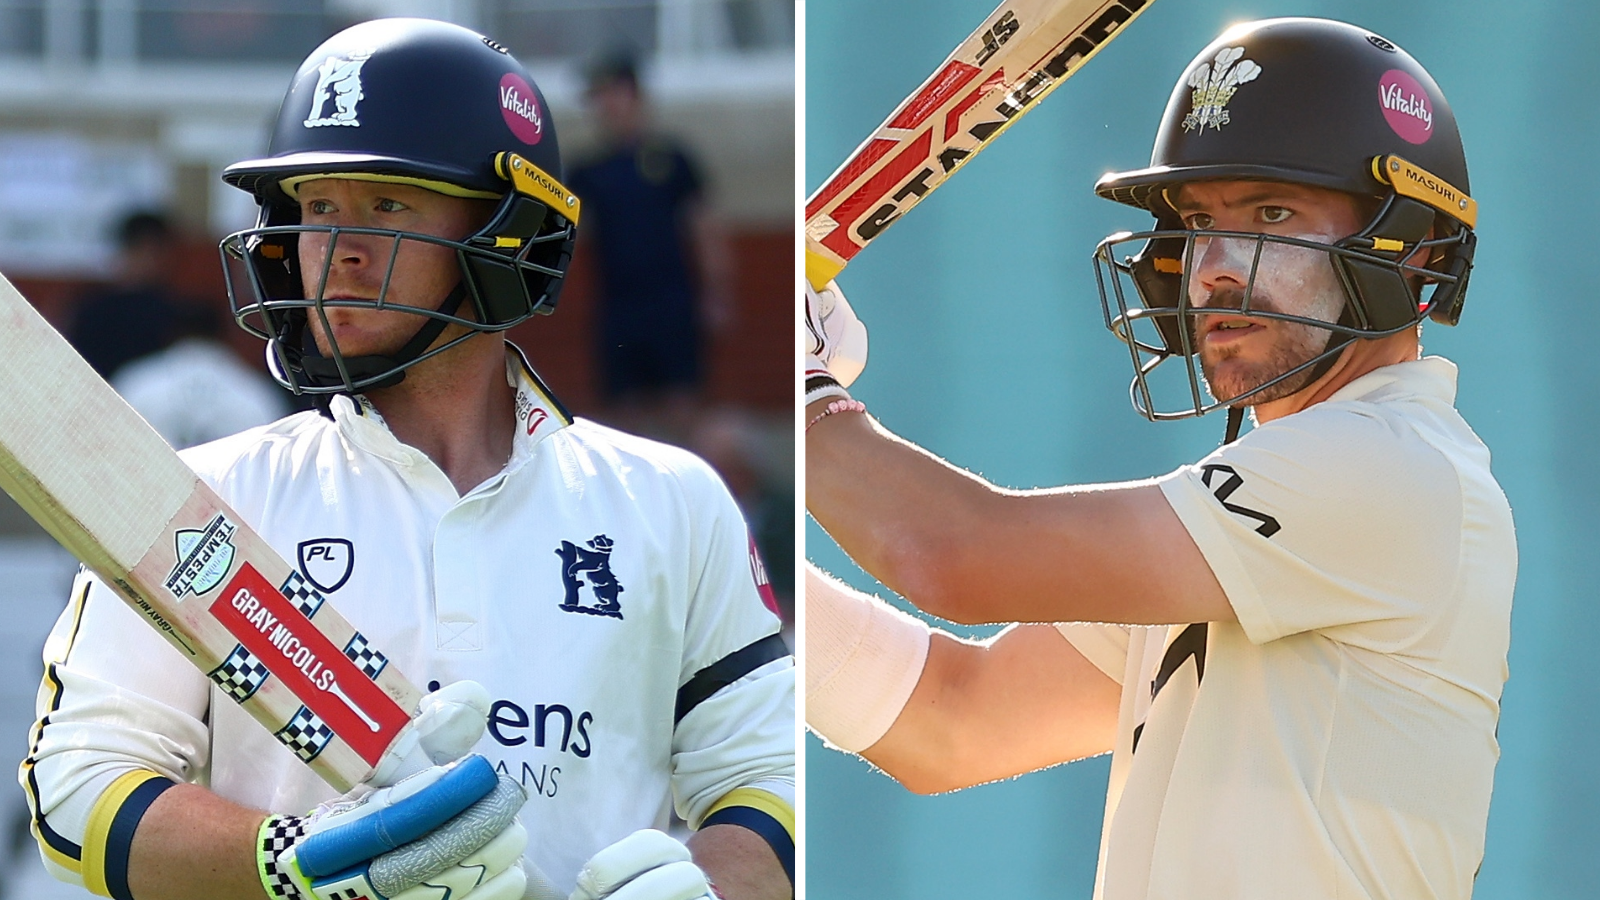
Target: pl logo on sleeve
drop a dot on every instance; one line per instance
(590, 566)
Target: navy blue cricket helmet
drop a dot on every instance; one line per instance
(417, 102)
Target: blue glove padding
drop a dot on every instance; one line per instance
(374, 828)
(396, 838)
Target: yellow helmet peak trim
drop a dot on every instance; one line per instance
(529, 179)
(1411, 180)
(291, 185)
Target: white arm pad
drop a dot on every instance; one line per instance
(863, 659)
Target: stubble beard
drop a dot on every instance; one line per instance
(1295, 345)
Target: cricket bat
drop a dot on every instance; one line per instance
(103, 483)
(1024, 50)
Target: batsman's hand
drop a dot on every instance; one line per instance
(448, 831)
(448, 723)
(645, 865)
(835, 337)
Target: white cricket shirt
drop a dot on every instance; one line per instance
(590, 586)
(1339, 740)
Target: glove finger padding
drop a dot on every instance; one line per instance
(674, 881)
(645, 865)
(494, 872)
(447, 724)
(489, 822)
(836, 337)
(625, 860)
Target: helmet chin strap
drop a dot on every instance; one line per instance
(1235, 420)
(323, 371)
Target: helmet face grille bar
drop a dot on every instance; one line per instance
(276, 307)
(1145, 302)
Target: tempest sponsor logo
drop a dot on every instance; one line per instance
(204, 557)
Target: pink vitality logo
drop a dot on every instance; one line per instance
(520, 107)
(1406, 106)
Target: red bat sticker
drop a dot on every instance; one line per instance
(318, 673)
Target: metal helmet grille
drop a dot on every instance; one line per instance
(500, 286)
(1147, 293)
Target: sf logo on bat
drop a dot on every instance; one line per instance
(1013, 103)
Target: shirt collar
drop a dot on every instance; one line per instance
(539, 413)
(1430, 376)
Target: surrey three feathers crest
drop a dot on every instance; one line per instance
(1214, 84)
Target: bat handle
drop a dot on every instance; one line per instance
(819, 268)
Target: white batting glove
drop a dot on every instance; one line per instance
(835, 337)
(448, 831)
(448, 724)
(645, 865)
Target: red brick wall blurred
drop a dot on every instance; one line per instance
(752, 364)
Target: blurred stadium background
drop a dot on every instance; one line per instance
(108, 107)
(988, 348)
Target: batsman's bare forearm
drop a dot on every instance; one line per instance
(977, 714)
(894, 507)
(740, 863)
(194, 845)
(968, 551)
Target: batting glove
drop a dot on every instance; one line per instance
(836, 339)
(449, 722)
(448, 831)
(645, 865)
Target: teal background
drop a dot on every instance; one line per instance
(988, 348)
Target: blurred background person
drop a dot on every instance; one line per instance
(661, 257)
(112, 107)
(197, 389)
(133, 314)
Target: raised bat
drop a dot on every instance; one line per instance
(103, 483)
(1024, 50)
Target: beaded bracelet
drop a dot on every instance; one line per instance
(837, 406)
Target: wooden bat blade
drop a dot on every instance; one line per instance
(1024, 50)
(101, 481)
